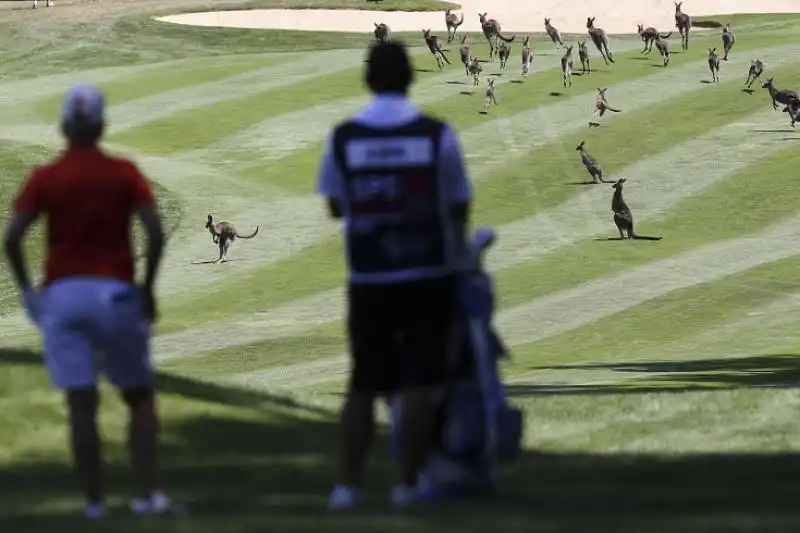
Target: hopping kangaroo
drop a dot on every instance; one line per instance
(435, 46)
(649, 36)
(591, 164)
(224, 234)
(663, 49)
(475, 69)
(782, 96)
(554, 34)
(527, 56)
(466, 54)
(601, 106)
(383, 34)
(728, 40)
(452, 23)
(490, 97)
(600, 40)
(623, 218)
(683, 22)
(503, 52)
(756, 69)
(583, 55)
(491, 29)
(713, 64)
(566, 66)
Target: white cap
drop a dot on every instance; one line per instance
(83, 102)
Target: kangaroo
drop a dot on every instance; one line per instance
(527, 57)
(224, 234)
(490, 96)
(782, 96)
(728, 40)
(452, 23)
(713, 64)
(663, 49)
(601, 106)
(503, 52)
(554, 34)
(623, 218)
(435, 46)
(566, 66)
(683, 22)
(466, 53)
(649, 35)
(583, 55)
(383, 34)
(794, 111)
(475, 69)
(600, 40)
(491, 29)
(591, 164)
(756, 69)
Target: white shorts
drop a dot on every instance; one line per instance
(94, 325)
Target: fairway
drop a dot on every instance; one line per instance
(658, 379)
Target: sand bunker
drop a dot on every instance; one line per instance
(515, 16)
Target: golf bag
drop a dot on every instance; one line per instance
(478, 429)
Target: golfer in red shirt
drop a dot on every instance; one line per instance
(91, 315)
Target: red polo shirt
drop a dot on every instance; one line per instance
(89, 199)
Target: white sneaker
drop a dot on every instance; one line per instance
(95, 510)
(156, 504)
(404, 496)
(343, 497)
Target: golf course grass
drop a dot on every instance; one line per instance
(657, 378)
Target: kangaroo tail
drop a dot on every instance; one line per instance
(665, 35)
(248, 236)
(506, 39)
(460, 22)
(614, 110)
(646, 238)
(444, 56)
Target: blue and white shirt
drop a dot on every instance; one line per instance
(396, 173)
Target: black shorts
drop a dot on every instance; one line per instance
(402, 335)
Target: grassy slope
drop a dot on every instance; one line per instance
(270, 467)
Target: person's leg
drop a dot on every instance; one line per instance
(143, 439)
(69, 356)
(368, 346)
(85, 442)
(430, 335)
(126, 343)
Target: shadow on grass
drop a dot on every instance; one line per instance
(267, 465)
(775, 371)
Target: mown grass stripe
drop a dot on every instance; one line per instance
(587, 214)
(163, 105)
(601, 300)
(655, 185)
(506, 195)
(169, 77)
(515, 128)
(567, 310)
(287, 133)
(722, 211)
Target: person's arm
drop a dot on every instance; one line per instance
(25, 211)
(146, 209)
(455, 182)
(330, 181)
